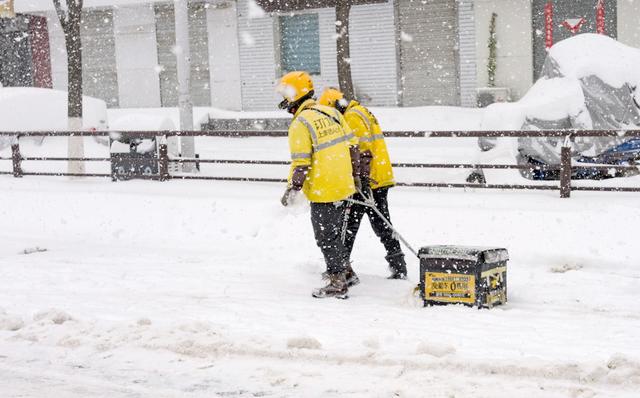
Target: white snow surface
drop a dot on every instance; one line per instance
(557, 98)
(600, 55)
(32, 108)
(202, 289)
(547, 99)
(390, 118)
(43, 5)
(255, 11)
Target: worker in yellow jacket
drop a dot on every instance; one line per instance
(324, 162)
(376, 173)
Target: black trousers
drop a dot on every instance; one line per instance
(326, 219)
(354, 214)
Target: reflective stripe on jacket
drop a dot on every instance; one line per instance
(365, 126)
(319, 137)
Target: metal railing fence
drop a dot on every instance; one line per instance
(566, 168)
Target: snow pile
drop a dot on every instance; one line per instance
(427, 118)
(142, 122)
(560, 94)
(548, 99)
(10, 323)
(33, 109)
(593, 54)
(254, 10)
(55, 316)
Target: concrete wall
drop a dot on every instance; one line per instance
(515, 50)
(629, 22)
(136, 56)
(58, 52)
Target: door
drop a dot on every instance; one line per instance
(99, 72)
(428, 55)
(557, 20)
(15, 62)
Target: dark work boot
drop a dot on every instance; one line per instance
(350, 275)
(397, 266)
(337, 287)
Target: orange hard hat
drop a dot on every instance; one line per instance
(295, 85)
(330, 97)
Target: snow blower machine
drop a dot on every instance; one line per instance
(472, 276)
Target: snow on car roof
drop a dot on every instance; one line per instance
(593, 54)
(32, 108)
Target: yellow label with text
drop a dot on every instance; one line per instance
(450, 288)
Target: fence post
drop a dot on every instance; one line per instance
(16, 158)
(565, 169)
(163, 161)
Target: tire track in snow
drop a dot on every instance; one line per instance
(618, 371)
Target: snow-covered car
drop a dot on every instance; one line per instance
(33, 108)
(588, 82)
(43, 109)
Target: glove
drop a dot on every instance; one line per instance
(288, 196)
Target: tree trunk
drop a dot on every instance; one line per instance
(343, 7)
(74, 66)
(70, 21)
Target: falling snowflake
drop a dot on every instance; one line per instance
(406, 37)
(247, 39)
(255, 11)
(176, 50)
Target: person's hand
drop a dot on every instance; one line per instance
(288, 196)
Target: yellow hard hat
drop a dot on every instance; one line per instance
(330, 97)
(295, 85)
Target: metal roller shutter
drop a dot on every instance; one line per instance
(467, 53)
(199, 50)
(15, 63)
(257, 60)
(373, 54)
(99, 73)
(428, 52)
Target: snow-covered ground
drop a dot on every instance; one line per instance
(202, 289)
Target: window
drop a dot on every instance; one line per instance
(300, 43)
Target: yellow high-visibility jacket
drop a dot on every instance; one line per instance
(365, 126)
(319, 137)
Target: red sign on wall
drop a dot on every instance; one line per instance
(548, 25)
(40, 55)
(600, 17)
(574, 24)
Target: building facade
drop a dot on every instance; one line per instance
(403, 52)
